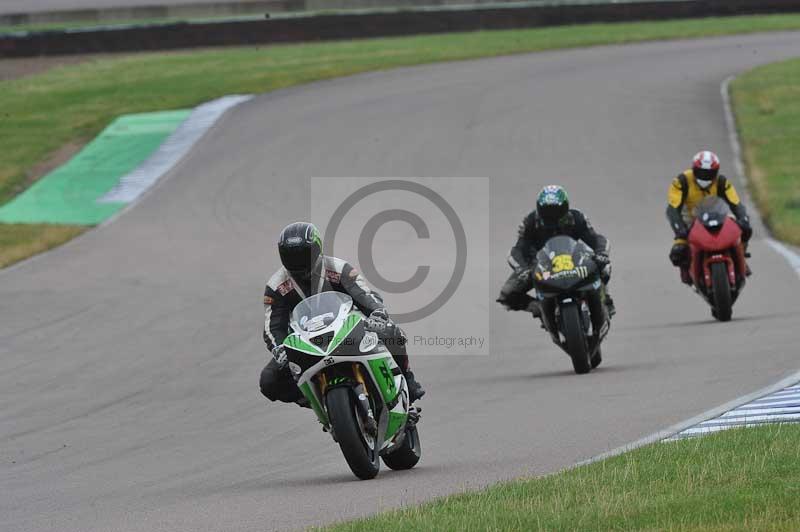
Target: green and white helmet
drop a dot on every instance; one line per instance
(552, 204)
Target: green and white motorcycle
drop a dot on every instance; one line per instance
(353, 385)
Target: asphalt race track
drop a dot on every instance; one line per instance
(129, 359)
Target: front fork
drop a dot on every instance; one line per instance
(730, 268)
(597, 313)
(362, 402)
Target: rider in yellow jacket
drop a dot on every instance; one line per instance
(687, 191)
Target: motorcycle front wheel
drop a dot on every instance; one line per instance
(721, 290)
(577, 347)
(358, 448)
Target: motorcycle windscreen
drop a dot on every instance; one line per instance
(712, 213)
(320, 311)
(563, 264)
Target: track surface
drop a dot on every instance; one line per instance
(129, 359)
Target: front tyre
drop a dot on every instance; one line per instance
(359, 452)
(597, 359)
(721, 289)
(577, 347)
(408, 454)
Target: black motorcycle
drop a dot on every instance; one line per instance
(570, 295)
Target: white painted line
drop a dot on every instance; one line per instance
(791, 257)
(769, 402)
(671, 433)
(751, 419)
(790, 383)
(794, 390)
(783, 396)
(733, 135)
(786, 394)
(24, 263)
(744, 412)
(738, 161)
(761, 411)
(170, 153)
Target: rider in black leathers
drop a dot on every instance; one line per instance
(552, 217)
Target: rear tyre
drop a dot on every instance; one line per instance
(721, 289)
(408, 454)
(577, 348)
(361, 456)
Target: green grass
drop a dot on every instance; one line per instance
(41, 113)
(114, 23)
(743, 479)
(20, 241)
(59, 26)
(767, 105)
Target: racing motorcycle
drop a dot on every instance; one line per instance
(571, 296)
(352, 384)
(717, 263)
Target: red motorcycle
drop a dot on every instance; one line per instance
(717, 265)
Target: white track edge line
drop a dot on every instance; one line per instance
(794, 261)
(691, 422)
(90, 230)
(733, 137)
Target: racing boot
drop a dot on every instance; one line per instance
(534, 308)
(612, 310)
(415, 389)
(515, 301)
(685, 277)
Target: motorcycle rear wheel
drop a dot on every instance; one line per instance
(577, 347)
(363, 460)
(408, 454)
(721, 290)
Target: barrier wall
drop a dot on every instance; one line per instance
(364, 25)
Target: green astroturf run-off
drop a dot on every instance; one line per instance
(69, 194)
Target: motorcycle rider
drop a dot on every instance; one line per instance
(552, 217)
(686, 192)
(305, 272)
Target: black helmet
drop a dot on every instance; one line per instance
(300, 248)
(552, 204)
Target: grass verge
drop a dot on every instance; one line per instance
(41, 113)
(740, 479)
(767, 106)
(20, 241)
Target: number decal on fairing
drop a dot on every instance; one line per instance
(562, 263)
(387, 376)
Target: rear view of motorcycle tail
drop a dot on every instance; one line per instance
(717, 259)
(569, 292)
(353, 385)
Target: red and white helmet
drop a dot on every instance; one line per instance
(705, 166)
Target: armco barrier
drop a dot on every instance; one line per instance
(363, 25)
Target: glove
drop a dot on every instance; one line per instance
(279, 356)
(747, 230)
(604, 263)
(679, 254)
(378, 321)
(524, 273)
